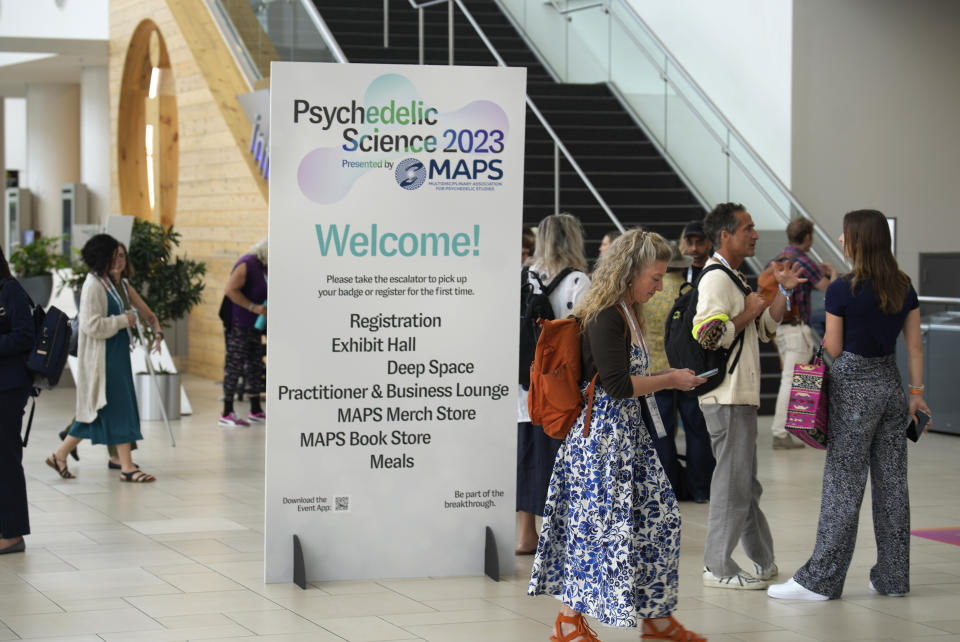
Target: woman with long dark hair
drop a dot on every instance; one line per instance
(120, 274)
(106, 401)
(16, 341)
(866, 311)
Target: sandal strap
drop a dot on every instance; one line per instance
(674, 633)
(63, 471)
(138, 477)
(582, 632)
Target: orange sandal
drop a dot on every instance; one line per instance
(674, 633)
(582, 631)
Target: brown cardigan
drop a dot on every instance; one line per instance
(605, 347)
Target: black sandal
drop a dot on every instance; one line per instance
(113, 466)
(137, 477)
(54, 463)
(63, 435)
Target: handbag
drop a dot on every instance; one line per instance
(807, 411)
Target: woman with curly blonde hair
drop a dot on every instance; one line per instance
(609, 546)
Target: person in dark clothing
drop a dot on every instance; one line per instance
(16, 341)
(247, 291)
(695, 243)
(867, 310)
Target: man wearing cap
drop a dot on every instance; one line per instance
(694, 482)
(695, 243)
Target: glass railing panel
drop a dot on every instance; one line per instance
(291, 31)
(588, 50)
(710, 121)
(637, 77)
(774, 193)
(752, 167)
(548, 29)
(770, 220)
(517, 10)
(674, 110)
(693, 147)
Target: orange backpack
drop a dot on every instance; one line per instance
(767, 287)
(554, 400)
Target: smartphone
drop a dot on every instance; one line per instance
(914, 429)
(708, 373)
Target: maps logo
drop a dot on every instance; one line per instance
(410, 173)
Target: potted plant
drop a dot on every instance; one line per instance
(74, 278)
(34, 264)
(171, 286)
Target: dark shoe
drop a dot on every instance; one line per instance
(137, 477)
(19, 547)
(73, 453)
(113, 466)
(701, 500)
(54, 463)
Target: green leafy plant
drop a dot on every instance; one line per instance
(170, 285)
(78, 275)
(38, 258)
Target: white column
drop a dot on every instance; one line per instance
(95, 141)
(53, 149)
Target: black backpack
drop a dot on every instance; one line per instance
(534, 305)
(51, 343)
(683, 351)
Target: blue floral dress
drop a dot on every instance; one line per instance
(610, 543)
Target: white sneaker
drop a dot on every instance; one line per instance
(765, 573)
(793, 591)
(874, 589)
(741, 580)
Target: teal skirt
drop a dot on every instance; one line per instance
(119, 421)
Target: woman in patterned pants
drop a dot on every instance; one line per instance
(247, 291)
(609, 546)
(866, 310)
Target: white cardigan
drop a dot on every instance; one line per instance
(95, 328)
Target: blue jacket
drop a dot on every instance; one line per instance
(16, 336)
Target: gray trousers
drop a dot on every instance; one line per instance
(735, 514)
(866, 432)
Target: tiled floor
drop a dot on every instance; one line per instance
(182, 559)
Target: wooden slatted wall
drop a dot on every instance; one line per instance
(221, 200)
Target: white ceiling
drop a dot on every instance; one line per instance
(46, 60)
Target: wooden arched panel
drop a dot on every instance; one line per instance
(132, 120)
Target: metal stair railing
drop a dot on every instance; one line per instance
(731, 131)
(669, 70)
(559, 149)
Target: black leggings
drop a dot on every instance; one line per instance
(14, 520)
(244, 356)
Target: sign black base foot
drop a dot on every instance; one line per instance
(491, 559)
(299, 570)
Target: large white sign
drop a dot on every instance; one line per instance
(395, 221)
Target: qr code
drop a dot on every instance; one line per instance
(341, 504)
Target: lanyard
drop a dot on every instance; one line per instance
(648, 399)
(112, 291)
(723, 260)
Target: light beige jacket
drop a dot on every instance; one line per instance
(718, 297)
(95, 328)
